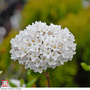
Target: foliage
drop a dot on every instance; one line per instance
(61, 76)
(11, 84)
(10, 68)
(32, 73)
(79, 25)
(1, 72)
(49, 11)
(4, 51)
(30, 83)
(85, 66)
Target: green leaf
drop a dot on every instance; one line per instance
(30, 83)
(50, 70)
(1, 72)
(32, 73)
(11, 84)
(22, 82)
(85, 66)
(89, 67)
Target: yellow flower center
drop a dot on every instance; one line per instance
(54, 47)
(41, 30)
(21, 47)
(25, 52)
(48, 53)
(29, 45)
(44, 59)
(33, 41)
(53, 54)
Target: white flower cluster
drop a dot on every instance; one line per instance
(40, 46)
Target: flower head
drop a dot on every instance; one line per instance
(40, 46)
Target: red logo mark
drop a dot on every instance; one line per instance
(4, 83)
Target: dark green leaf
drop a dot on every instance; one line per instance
(50, 70)
(30, 83)
(32, 73)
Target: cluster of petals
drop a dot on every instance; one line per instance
(40, 46)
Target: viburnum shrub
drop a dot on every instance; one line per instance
(40, 46)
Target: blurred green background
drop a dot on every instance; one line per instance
(73, 14)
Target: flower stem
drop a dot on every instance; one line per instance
(47, 76)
